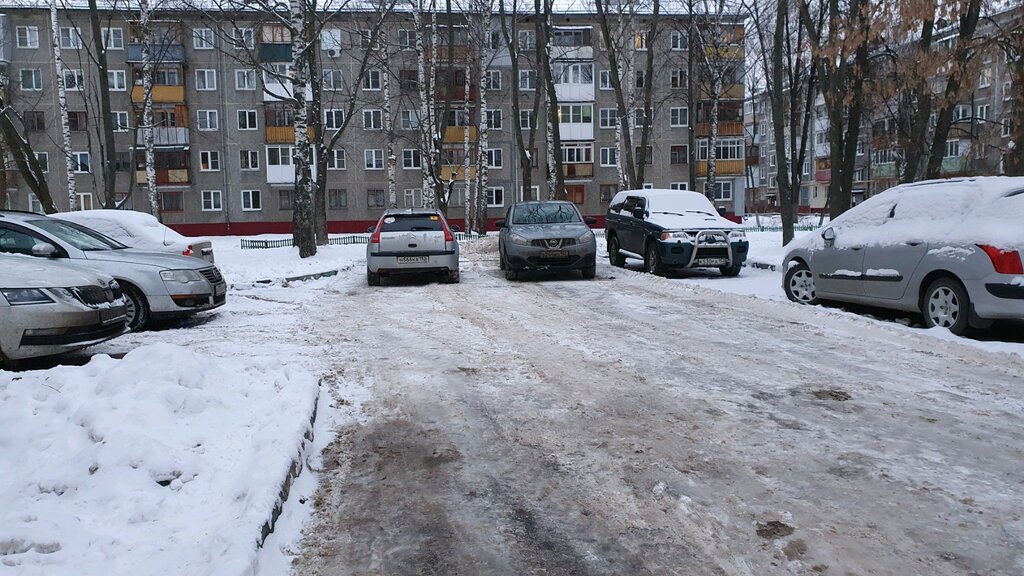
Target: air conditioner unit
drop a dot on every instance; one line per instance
(333, 53)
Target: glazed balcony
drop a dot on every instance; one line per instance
(158, 53)
(578, 170)
(165, 136)
(165, 177)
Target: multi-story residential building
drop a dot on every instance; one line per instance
(223, 128)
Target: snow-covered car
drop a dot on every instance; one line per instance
(673, 229)
(949, 249)
(140, 230)
(549, 235)
(412, 242)
(155, 284)
(49, 308)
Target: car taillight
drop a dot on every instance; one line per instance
(448, 236)
(1004, 261)
(375, 237)
(187, 251)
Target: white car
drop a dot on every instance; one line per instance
(140, 230)
(48, 308)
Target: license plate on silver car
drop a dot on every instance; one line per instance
(712, 261)
(413, 259)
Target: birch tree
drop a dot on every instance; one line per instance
(146, 31)
(483, 162)
(553, 137)
(108, 148)
(62, 105)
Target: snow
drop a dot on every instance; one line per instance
(882, 273)
(846, 273)
(247, 267)
(951, 252)
(118, 466)
(128, 226)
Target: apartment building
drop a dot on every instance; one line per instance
(223, 127)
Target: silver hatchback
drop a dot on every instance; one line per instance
(412, 242)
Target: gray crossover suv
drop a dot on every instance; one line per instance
(412, 242)
(949, 249)
(548, 235)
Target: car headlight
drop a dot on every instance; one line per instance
(25, 296)
(678, 235)
(585, 237)
(181, 276)
(517, 239)
(737, 235)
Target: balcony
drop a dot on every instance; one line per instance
(576, 131)
(823, 175)
(456, 134)
(722, 168)
(275, 52)
(456, 93)
(575, 92)
(576, 170)
(956, 166)
(458, 173)
(165, 136)
(284, 134)
(734, 91)
(161, 94)
(887, 170)
(158, 53)
(276, 91)
(572, 52)
(732, 52)
(285, 173)
(725, 129)
(165, 176)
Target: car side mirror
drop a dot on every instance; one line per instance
(829, 235)
(454, 228)
(44, 249)
(639, 212)
(589, 220)
(500, 223)
(371, 229)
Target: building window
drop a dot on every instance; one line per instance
(494, 158)
(373, 159)
(336, 160)
(679, 154)
(70, 38)
(202, 38)
(641, 117)
(494, 119)
(679, 40)
(375, 198)
(74, 80)
(82, 162)
(495, 196)
(961, 112)
(249, 159)
(527, 40)
(209, 161)
(207, 120)
(251, 201)
(409, 120)
(35, 121)
(334, 119)
(1006, 128)
(411, 159)
(493, 80)
(409, 80)
(31, 79)
(527, 79)
(333, 80)
(245, 79)
(206, 80)
(677, 78)
(337, 199)
(279, 155)
(247, 120)
(982, 113)
(723, 191)
(243, 39)
(119, 120)
(172, 201)
(643, 158)
(577, 153)
(373, 119)
(43, 158)
(608, 191)
(576, 73)
(406, 39)
(284, 199)
(113, 38)
(117, 80)
(605, 80)
(576, 114)
(575, 193)
(412, 198)
(952, 148)
(371, 80)
(640, 78)
(608, 117)
(78, 121)
(678, 186)
(28, 36)
(526, 119)
(985, 77)
(609, 156)
(725, 149)
(679, 117)
(330, 41)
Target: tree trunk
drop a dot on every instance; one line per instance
(1013, 161)
(556, 176)
(25, 159)
(62, 104)
(524, 147)
(482, 163)
(303, 233)
(623, 131)
(321, 150)
(108, 147)
(389, 131)
(146, 27)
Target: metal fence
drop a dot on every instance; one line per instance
(778, 228)
(333, 241)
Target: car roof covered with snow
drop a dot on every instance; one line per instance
(119, 223)
(677, 209)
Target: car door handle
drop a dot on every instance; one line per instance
(913, 243)
(856, 247)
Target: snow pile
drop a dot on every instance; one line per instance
(117, 468)
(248, 267)
(128, 226)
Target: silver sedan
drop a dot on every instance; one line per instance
(412, 242)
(550, 235)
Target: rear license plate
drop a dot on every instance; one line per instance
(413, 259)
(553, 254)
(712, 261)
(110, 314)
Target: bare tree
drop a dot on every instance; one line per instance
(524, 143)
(62, 104)
(25, 159)
(1011, 40)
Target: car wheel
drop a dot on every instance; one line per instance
(452, 277)
(614, 256)
(652, 260)
(731, 271)
(136, 307)
(501, 261)
(947, 304)
(799, 285)
(590, 272)
(510, 273)
(373, 278)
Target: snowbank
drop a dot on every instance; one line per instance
(247, 267)
(167, 461)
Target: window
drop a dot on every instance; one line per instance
(412, 198)
(284, 199)
(577, 73)
(336, 160)
(31, 79)
(364, 39)
(678, 186)
(679, 154)
(84, 200)
(243, 39)
(246, 119)
(206, 80)
(605, 80)
(494, 40)
(608, 191)
(526, 119)
(172, 201)
(77, 121)
(70, 38)
(577, 153)
(679, 40)
(337, 199)
(677, 78)
(527, 79)
(28, 36)
(527, 40)
(207, 120)
(679, 117)
(406, 39)
(34, 120)
(575, 193)
(82, 162)
(251, 201)
(495, 158)
(609, 157)
(202, 38)
(952, 148)
(119, 120)
(165, 76)
(279, 155)
(409, 80)
(641, 117)
(371, 80)
(725, 149)
(494, 119)
(409, 120)
(961, 112)
(117, 80)
(1006, 128)
(640, 80)
(411, 159)
(495, 196)
(576, 114)
(493, 80)
(373, 159)
(334, 119)
(333, 80)
(209, 161)
(113, 38)
(985, 77)
(887, 156)
(74, 80)
(529, 195)
(245, 79)
(644, 156)
(458, 118)
(640, 41)
(1007, 86)
(375, 198)
(608, 117)
(44, 161)
(373, 119)
(858, 175)
(982, 112)
(330, 41)
(249, 159)
(861, 147)
(723, 191)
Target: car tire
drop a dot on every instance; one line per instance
(136, 307)
(798, 284)
(590, 272)
(510, 273)
(373, 278)
(947, 304)
(501, 261)
(652, 260)
(731, 271)
(614, 256)
(452, 277)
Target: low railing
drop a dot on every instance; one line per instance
(333, 241)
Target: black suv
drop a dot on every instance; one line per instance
(673, 229)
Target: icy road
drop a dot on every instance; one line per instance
(645, 426)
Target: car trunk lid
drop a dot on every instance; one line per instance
(413, 233)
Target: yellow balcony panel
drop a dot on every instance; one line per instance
(722, 168)
(161, 94)
(734, 91)
(455, 134)
(725, 129)
(725, 52)
(284, 134)
(448, 172)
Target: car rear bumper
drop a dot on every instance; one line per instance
(998, 297)
(677, 254)
(535, 258)
(390, 264)
(37, 331)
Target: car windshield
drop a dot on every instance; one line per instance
(77, 235)
(545, 213)
(412, 223)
